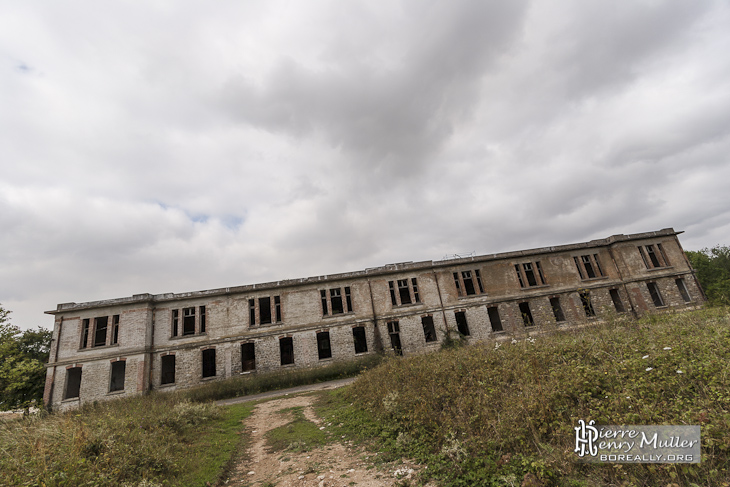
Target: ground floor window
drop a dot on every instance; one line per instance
(286, 350)
(361, 343)
(494, 318)
(248, 357)
(209, 362)
(429, 331)
(73, 383)
(323, 345)
(461, 323)
(117, 377)
(168, 370)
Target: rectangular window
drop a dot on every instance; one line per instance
(336, 301)
(585, 299)
(348, 299)
(84, 333)
(264, 311)
(643, 257)
(429, 331)
(461, 323)
(655, 295)
(664, 256)
(115, 329)
(526, 314)
(100, 326)
(251, 312)
(414, 283)
(209, 362)
(479, 281)
(394, 332)
(494, 318)
(458, 284)
(117, 378)
(286, 350)
(323, 296)
(392, 293)
(617, 303)
(175, 321)
(202, 319)
(73, 383)
(579, 267)
(682, 288)
(248, 357)
(526, 274)
(557, 309)
(323, 345)
(167, 368)
(653, 256)
(277, 308)
(465, 283)
(588, 266)
(358, 336)
(598, 265)
(404, 292)
(188, 321)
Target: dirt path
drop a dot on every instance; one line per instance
(334, 465)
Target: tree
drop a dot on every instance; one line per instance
(22, 358)
(713, 272)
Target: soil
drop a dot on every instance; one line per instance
(336, 464)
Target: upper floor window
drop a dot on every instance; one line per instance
(188, 321)
(653, 256)
(98, 333)
(530, 274)
(589, 267)
(333, 302)
(468, 283)
(404, 291)
(264, 310)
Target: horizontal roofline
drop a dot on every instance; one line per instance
(372, 271)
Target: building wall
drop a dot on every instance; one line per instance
(396, 295)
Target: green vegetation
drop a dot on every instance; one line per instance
(22, 358)
(713, 271)
(245, 385)
(298, 435)
(491, 414)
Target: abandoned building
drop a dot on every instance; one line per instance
(124, 346)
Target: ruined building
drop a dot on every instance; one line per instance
(124, 346)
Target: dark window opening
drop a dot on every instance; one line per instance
(264, 311)
(323, 295)
(617, 303)
(85, 333)
(664, 256)
(277, 308)
(461, 323)
(175, 321)
(394, 332)
(361, 343)
(557, 309)
(392, 293)
(167, 374)
(458, 285)
(479, 281)
(539, 272)
(115, 329)
(118, 372)
(588, 266)
(519, 275)
(100, 326)
(653, 256)
(248, 357)
(202, 319)
(585, 299)
(598, 265)
(494, 318)
(404, 292)
(529, 274)
(415, 290)
(252, 312)
(188, 321)
(286, 350)
(468, 283)
(73, 383)
(323, 345)
(336, 301)
(429, 331)
(526, 314)
(655, 295)
(682, 288)
(348, 299)
(643, 257)
(578, 266)
(209, 362)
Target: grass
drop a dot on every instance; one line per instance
(298, 435)
(490, 415)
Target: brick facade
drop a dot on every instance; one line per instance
(169, 341)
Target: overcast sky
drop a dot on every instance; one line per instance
(177, 145)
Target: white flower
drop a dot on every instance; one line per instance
(514, 341)
(649, 368)
(667, 348)
(680, 372)
(645, 357)
(628, 397)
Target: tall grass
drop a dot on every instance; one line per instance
(490, 414)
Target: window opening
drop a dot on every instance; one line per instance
(209, 362)
(323, 295)
(361, 343)
(557, 309)
(598, 265)
(494, 318)
(85, 333)
(394, 332)
(617, 303)
(682, 287)
(526, 314)
(468, 283)
(404, 292)
(578, 266)
(286, 350)
(652, 256)
(458, 285)
(167, 375)
(529, 274)
(588, 266)
(252, 312)
(265, 310)
(392, 293)
(461, 323)
(415, 290)
(73, 383)
(115, 329)
(429, 331)
(519, 275)
(248, 357)
(655, 295)
(336, 301)
(100, 326)
(277, 308)
(664, 255)
(348, 299)
(479, 281)
(117, 379)
(323, 345)
(585, 299)
(643, 257)
(202, 319)
(188, 321)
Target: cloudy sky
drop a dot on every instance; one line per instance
(178, 145)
